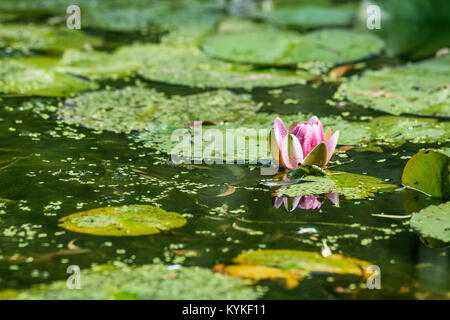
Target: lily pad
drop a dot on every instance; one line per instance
(350, 185)
(26, 37)
(97, 65)
(292, 260)
(433, 222)
(145, 16)
(264, 45)
(394, 130)
(418, 88)
(131, 109)
(428, 171)
(188, 66)
(22, 79)
(147, 282)
(309, 14)
(257, 273)
(132, 220)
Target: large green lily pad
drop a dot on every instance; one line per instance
(140, 15)
(309, 14)
(394, 130)
(131, 109)
(97, 65)
(22, 79)
(147, 282)
(418, 88)
(304, 260)
(132, 220)
(433, 222)
(428, 171)
(26, 37)
(349, 185)
(264, 45)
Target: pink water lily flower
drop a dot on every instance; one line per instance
(304, 143)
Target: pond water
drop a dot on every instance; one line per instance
(49, 169)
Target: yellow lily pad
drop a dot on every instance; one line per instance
(257, 273)
(132, 220)
(297, 260)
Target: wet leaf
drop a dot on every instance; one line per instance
(132, 220)
(433, 222)
(428, 171)
(297, 260)
(146, 282)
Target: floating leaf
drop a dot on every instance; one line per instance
(131, 109)
(310, 14)
(264, 45)
(257, 273)
(28, 37)
(417, 88)
(132, 220)
(23, 79)
(350, 185)
(433, 222)
(293, 260)
(190, 67)
(147, 282)
(428, 171)
(394, 130)
(97, 65)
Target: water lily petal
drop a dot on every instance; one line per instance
(291, 152)
(295, 203)
(333, 197)
(306, 136)
(313, 119)
(331, 145)
(309, 202)
(278, 202)
(274, 148)
(279, 130)
(327, 134)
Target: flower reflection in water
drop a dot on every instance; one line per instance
(305, 202)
